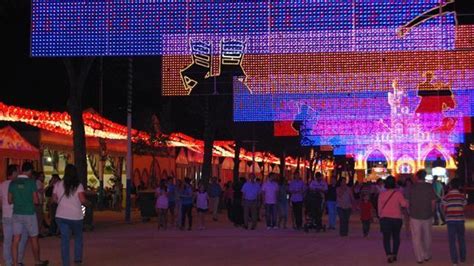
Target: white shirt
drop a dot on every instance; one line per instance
(162, 200)
(201, 200)
(7, 209)
(318, 185)
(270, 190)
(68, 207)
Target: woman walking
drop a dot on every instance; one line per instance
(345, 203)
(162, 205)
(390, 204)
(202, 205)
(228, 199)
(69, 195)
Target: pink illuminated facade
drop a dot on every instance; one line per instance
(408, 137)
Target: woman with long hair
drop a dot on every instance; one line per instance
(69, 195)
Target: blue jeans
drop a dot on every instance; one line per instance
(456, 232)
(332, 213)
(66, 226)
(438, 213)
(7, 241)
(270, 215)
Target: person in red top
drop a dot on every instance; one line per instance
(366, 214)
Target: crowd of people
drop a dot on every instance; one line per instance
(23, 197)
(280, 203)
(390, 203)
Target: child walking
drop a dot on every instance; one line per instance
(162, 205)
(454, 203)
(365, 213)
(202, 203)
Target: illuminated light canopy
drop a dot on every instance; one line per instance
(100, 127)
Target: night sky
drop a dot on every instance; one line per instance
(41, 83)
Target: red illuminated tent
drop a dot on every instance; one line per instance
(14, 149)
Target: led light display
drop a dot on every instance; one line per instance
(324, 70)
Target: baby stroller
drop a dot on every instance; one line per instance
(314, 212)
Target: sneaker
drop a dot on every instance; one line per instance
(275, 227)
(268, 228)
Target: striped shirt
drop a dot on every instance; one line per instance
(454, 203)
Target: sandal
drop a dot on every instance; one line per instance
(42, 263)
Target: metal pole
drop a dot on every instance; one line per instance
(253, 158)
(253, 150)
(129, 139)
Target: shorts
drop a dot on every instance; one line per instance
(202, 210)
(27, 222)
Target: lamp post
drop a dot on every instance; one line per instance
(129, 140)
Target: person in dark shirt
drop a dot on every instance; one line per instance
(421, 200)
(331, 197)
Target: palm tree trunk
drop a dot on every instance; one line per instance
(208, 143)
(74, 106)
(236, 160)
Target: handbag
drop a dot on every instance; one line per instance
(385, 204)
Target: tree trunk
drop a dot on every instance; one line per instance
(282, 164)
(236, 161)
(208, 143)
(77, 81)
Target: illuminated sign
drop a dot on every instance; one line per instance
(337, 59)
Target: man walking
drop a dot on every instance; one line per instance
(454, 203)
(297, 189)
(270, 192)
(421, 199)
(22, 193)
(251, 193)
(331, 197)
(215, 191)
(7, 213)
(319, 187)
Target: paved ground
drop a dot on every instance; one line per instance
(116, 243)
